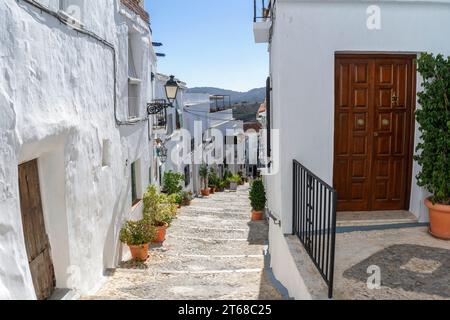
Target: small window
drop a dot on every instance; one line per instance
(133, 100)
(187, 176)
(72, 9)
(134, 187)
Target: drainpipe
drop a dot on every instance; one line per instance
(97, 38)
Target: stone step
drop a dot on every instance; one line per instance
(203, 263)
(214, 247)
(244, 216)
(212, 220)
(175, 286)
(250, 232)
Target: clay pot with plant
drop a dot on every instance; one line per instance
(258, 199)
(213, 180)
(186, 198)
(159, 212)
(234, 182)
(433, 152)
(204, 180)
(137, 235)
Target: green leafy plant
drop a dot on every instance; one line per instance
(433, 152)
(213, 178)
(137, 233)
(159, 209)
(186, 197)
(258, 195)
(172, 182)
(204, 175)
(235, 178)
(227, 174)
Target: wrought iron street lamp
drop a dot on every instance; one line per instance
(171, 88)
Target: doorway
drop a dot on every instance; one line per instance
(36, 239)
(374, 123)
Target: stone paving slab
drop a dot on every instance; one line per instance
(412, 265)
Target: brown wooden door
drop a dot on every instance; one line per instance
(36, 239)
(373, 119)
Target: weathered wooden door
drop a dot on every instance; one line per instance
(374, 104)
(36, 239)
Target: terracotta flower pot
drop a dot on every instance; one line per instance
(178, 206)
(205, 192)
(161, 234)
(139, 252)
(212, 190)
(439, 220)
(187, 203)
(257, 215)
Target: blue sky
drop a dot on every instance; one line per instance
(209, 42)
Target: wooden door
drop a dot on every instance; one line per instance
(36, 239)
(373, 121)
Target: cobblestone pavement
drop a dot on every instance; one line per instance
(411, 264)
(212, 251)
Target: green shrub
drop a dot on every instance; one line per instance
(235, 178)
(213, 178)
(258, 195)
(172, 182)
(158, 208)
(433, 153)
(204, 175)
(137, 233)
(186, 197)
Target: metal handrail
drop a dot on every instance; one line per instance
(265, 12)
(314, 220)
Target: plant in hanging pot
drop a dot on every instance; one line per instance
(204, 180)
(137, 235)
(257, 199)
(433, 152)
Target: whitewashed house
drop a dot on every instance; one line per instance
(74, 138)
(342, 97)
(167, 134)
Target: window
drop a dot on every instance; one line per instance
(134, 83)
(133, 100)
(72, 10)
(187, 176)
(134, 183)
(169, 124)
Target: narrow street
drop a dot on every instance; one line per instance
(212, 251)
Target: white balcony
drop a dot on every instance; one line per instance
(261, 31)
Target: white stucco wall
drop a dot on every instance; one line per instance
(306, 36)
(57, 105)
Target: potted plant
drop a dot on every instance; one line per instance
(241, 178)
(172, 182)
(213, 180)
(137, 235)
(234, 181)
(257, 199)
(186, 198)
(159, 211)
(433, 152)
(204, 180)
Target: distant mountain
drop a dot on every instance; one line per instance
(252, 96)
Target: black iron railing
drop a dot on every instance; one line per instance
(263, 12)
(314, 220)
